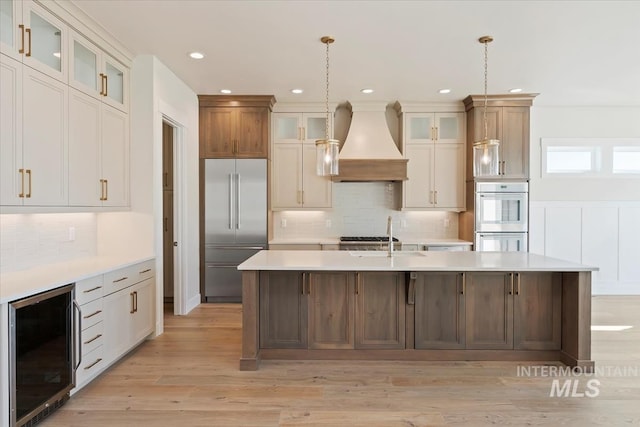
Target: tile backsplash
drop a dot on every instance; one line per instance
(361, 209)
(29, 240)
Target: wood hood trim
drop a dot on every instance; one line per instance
(365, 170)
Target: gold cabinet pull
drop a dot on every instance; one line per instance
(517, 283)
(145, 271)
(132, 303)
(101, 84)
(89, 341)
(106, 189)
(21, 172)
(510, 283)
(28, 195)
(106, 85)
(95, 313)
(464, 283)
(28, 31)
(92, 289)
(101, 185)
(435, 131)
(357, 283)
(411, 291)
(93, 364)
(135, 300)
(304, 281)
(21, 26)
(120, 279)
(435, 197)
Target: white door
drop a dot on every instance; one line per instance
(316, 190)
(286, 176)
(418, 189)
(45, 139)
(85, 187)
(449, 175)
(114, 155)
(10, 131)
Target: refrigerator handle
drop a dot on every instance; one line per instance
(230, 201)
(238, 192)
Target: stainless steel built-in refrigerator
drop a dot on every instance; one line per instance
(235, 222)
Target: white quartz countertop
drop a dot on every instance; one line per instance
(410, 261)
(20, 284)
(336, 240)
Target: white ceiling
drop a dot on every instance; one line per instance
(571, 52)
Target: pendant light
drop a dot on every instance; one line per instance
(327, 149)
(485, 152)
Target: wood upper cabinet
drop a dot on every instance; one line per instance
(283, 310)
(519, 311)
(439, 310)
(380, 310)
(507, 121)
(234, 126)
(434, 145)
(331, 310)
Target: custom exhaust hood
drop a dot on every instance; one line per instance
(369, 152)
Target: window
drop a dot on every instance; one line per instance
(626, 159)
(590, 157)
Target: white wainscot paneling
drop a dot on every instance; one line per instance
(600, 244)
(630, 246)
(536, 230)
(562, 237)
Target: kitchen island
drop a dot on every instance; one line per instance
(364, 305)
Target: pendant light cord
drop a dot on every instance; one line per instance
(484, 114)
(326, 124)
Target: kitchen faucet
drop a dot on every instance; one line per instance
(390, 234)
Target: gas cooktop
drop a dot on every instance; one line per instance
(366, 239)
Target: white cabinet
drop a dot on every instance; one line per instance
(434, 145)
(35, 37)
(129, 310)
(96, 73)
(98, 153)
(88, 296)
(33, 137)
(60, 146)
(295, 183)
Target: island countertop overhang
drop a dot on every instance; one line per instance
(412, 261)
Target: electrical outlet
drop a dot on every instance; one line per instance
(327, 223)
(72, 234)
(283, 223)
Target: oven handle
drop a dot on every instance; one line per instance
(76, 339)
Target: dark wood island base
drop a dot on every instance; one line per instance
(528, 316)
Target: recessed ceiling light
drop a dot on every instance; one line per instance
(225, 91)
(444, 91)
(366, 90)
(515, 90)
(196, 55)
(297, 91)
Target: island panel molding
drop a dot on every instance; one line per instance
(328, 305)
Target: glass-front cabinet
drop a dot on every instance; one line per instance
(34, 36)
(97, 74)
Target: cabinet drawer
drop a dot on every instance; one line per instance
(91, 313)
(92, 364)
(89, 289)
(127, 276)
(91, 338)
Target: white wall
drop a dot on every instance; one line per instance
(594, 221)
(157, 94)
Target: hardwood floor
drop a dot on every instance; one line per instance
(189, 377)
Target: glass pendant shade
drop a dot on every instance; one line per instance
(486, 158)
(327, 157)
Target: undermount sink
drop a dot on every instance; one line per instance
(383, 254)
